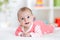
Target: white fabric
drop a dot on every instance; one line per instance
(37, 33)
(9, 34)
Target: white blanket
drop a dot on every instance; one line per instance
(8, 34)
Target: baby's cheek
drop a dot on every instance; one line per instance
(22, 23)
(30, 19)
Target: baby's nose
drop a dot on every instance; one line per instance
(26, 19)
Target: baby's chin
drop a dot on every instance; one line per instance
(27, 25)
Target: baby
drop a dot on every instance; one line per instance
(29, 27)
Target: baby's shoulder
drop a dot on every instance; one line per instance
(38, 22)
(19, 27)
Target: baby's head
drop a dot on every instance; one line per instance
(25, 17)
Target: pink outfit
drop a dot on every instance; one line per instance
(45, 29)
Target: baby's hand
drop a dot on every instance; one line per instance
(24, 34)
(27, 34)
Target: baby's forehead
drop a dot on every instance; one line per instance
(24, 14)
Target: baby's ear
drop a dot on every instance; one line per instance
(18, 19)
(34, 18)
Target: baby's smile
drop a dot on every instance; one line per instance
(27, 23)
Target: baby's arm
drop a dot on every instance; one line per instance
(18, 32)
(21, 34)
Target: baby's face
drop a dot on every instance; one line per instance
(25, 18)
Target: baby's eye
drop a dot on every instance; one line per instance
(28, 16)
(22, 18)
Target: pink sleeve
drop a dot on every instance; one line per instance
(18, 31)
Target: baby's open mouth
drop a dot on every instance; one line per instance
(27, 23)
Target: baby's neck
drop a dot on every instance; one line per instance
(26, 28)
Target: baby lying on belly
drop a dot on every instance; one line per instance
(30, 28)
